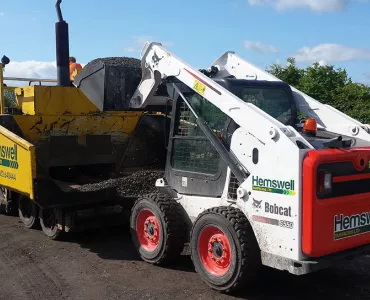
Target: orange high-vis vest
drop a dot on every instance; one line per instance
(74, 68)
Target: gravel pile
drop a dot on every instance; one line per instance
(139, 183)
(122, 75)
(129, 62)
(134, 185)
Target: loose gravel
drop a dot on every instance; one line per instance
(134, 185)
(129, 62)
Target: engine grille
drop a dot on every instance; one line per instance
(233, 187)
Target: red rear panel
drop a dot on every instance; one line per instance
(338, 219)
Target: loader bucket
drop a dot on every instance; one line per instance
(110, 82)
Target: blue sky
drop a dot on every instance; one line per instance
(262, 31)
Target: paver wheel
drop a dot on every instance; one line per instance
(27, 211)
(157, 228)
(7, 205)
(224, 250)
(49, 224)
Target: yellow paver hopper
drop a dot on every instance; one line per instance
(56, 139)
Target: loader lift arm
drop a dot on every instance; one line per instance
(230, 64)
(159, 65)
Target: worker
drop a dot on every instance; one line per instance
(74, 68)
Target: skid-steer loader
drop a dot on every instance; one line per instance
(246, 183)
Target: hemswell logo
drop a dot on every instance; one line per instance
(347, 226)
(273, 186)
(9, 156)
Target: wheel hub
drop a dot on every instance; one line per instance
(214, 250)
(217, 249)
(148, 230)
(151, 230)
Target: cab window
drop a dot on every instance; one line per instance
(274, 102)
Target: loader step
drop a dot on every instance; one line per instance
(313, 265)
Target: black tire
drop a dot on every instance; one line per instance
(4, 201)
(238, 263)
(27, 211)
(48, 222)
(8, 205)
(168, 221)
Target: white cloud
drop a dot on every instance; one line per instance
(30, 69)
(328, 53)
(168, 44)
(314, 5)
(129, 49)
(137, 43)
(260, 47)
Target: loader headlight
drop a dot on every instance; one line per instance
(325, 182)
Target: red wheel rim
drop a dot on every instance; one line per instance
(214, 250)
(147, 230)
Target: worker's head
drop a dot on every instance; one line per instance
(72, 59)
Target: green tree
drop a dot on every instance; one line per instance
(329, 86)
(9, 97)
(322, 82)
(354, 100)
(290, 74)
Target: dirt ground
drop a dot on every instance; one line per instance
(103, 265)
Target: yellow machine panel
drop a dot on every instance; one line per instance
(36, 128)
(17, 163)
(53, 100)
(58, 126)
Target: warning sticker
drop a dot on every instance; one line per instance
(199, 87)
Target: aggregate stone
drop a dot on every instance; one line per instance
(129, 62)
(133, 185)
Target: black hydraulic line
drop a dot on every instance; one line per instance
(222, 151)
(165, 126)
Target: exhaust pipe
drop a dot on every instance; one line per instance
(62, 48)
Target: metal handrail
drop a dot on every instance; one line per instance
(29, 79)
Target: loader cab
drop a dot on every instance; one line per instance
(274, 98)
(194, 165)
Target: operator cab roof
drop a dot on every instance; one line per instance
(323, 139)
(228, 82)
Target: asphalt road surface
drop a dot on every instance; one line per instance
(103, 265)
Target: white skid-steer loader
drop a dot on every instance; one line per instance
(247, 183)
